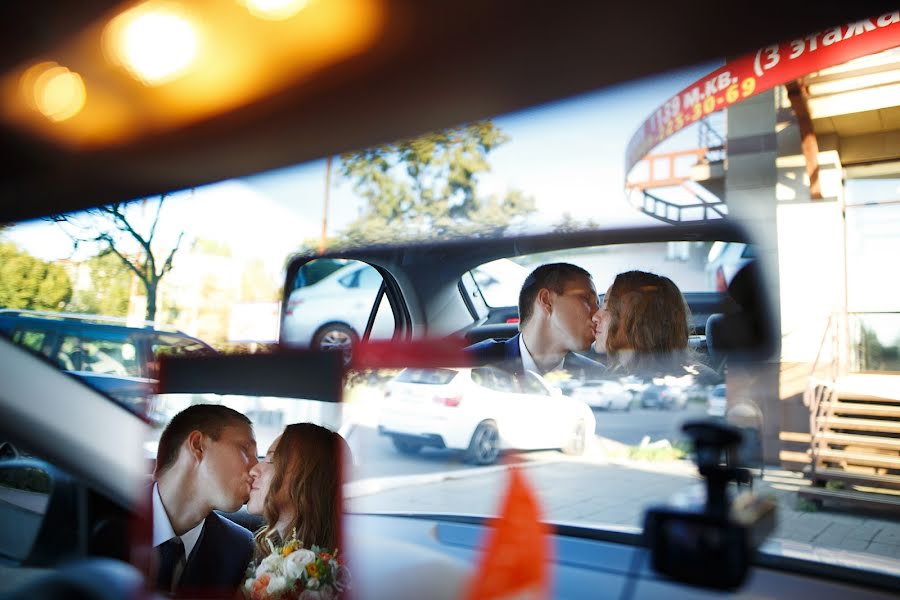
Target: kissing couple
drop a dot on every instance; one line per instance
(207, 462)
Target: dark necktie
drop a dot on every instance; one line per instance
(171, 564)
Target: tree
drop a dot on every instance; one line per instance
(428, 185)
(110, 291)
(117, 228)
(29, 283)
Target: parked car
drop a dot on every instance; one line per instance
(332, 313)
(664, 397)
(604, 394)
(481, 411)
(716, 401)
(725, 259)
(104, 352)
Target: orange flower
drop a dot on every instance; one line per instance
(290, 548)
(325, 557)
(311, 570)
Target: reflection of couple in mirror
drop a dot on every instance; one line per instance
(207, 462)
(642, 327)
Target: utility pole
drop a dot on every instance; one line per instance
(322, 240)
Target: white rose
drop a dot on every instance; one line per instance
(295, 563)
(272, 564)
(312, 583)
(277, 584)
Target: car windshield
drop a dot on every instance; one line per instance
(236, 266)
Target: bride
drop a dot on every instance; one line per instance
(296, 488)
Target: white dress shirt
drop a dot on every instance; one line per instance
(528, 361)
(162, 527)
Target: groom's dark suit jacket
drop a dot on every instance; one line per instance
(219, 560)
(507, 355)
(217, 563)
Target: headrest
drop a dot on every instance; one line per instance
(745, 331)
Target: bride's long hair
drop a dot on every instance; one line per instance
(649, 316)
(307, 465)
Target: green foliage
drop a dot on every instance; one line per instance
(677, 451)
(804, 505)
(110, 288)
(29, 283)
(428, 186)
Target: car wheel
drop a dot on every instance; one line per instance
(484, 448)
(404, 446)
(334, 336)
(578, 441)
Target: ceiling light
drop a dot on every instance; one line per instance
(155, 41)
(274, 10)
(53, 90)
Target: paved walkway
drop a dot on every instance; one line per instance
(600, 491)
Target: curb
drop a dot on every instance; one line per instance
(375, 485)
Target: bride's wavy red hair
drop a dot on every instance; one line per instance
(307, 464)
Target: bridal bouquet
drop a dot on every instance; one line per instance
(292, 571)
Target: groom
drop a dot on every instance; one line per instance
(203, 464)
(556, 303)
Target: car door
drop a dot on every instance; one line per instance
(554, 411)
(525, 409)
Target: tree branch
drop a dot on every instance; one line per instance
(167, 266)
(141, 275)
(162, 199)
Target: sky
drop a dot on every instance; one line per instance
(568, 155)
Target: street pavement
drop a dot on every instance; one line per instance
(602, 488)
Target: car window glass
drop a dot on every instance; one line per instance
(503, 381)
(471, 289)
(109, 358)
(31, 339)
(427, 376)
(530, 385)
(69, 356)
(499, 281)
(482, 377)
(333, 312)
(384, 325)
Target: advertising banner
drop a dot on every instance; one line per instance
(760, 71)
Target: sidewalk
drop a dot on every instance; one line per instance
(596, 492)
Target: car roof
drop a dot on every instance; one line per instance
(74, 321)
(435, 64)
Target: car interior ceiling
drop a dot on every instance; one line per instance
(438, 64)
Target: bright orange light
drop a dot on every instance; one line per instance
(155, 41)
(274, 10)
(53, 90)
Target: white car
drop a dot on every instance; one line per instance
(725, 259)
(332, 313)
(481, 411)
(604, 394)
(716, 401)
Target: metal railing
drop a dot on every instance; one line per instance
(821, 387)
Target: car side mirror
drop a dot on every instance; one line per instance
(26, 488)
